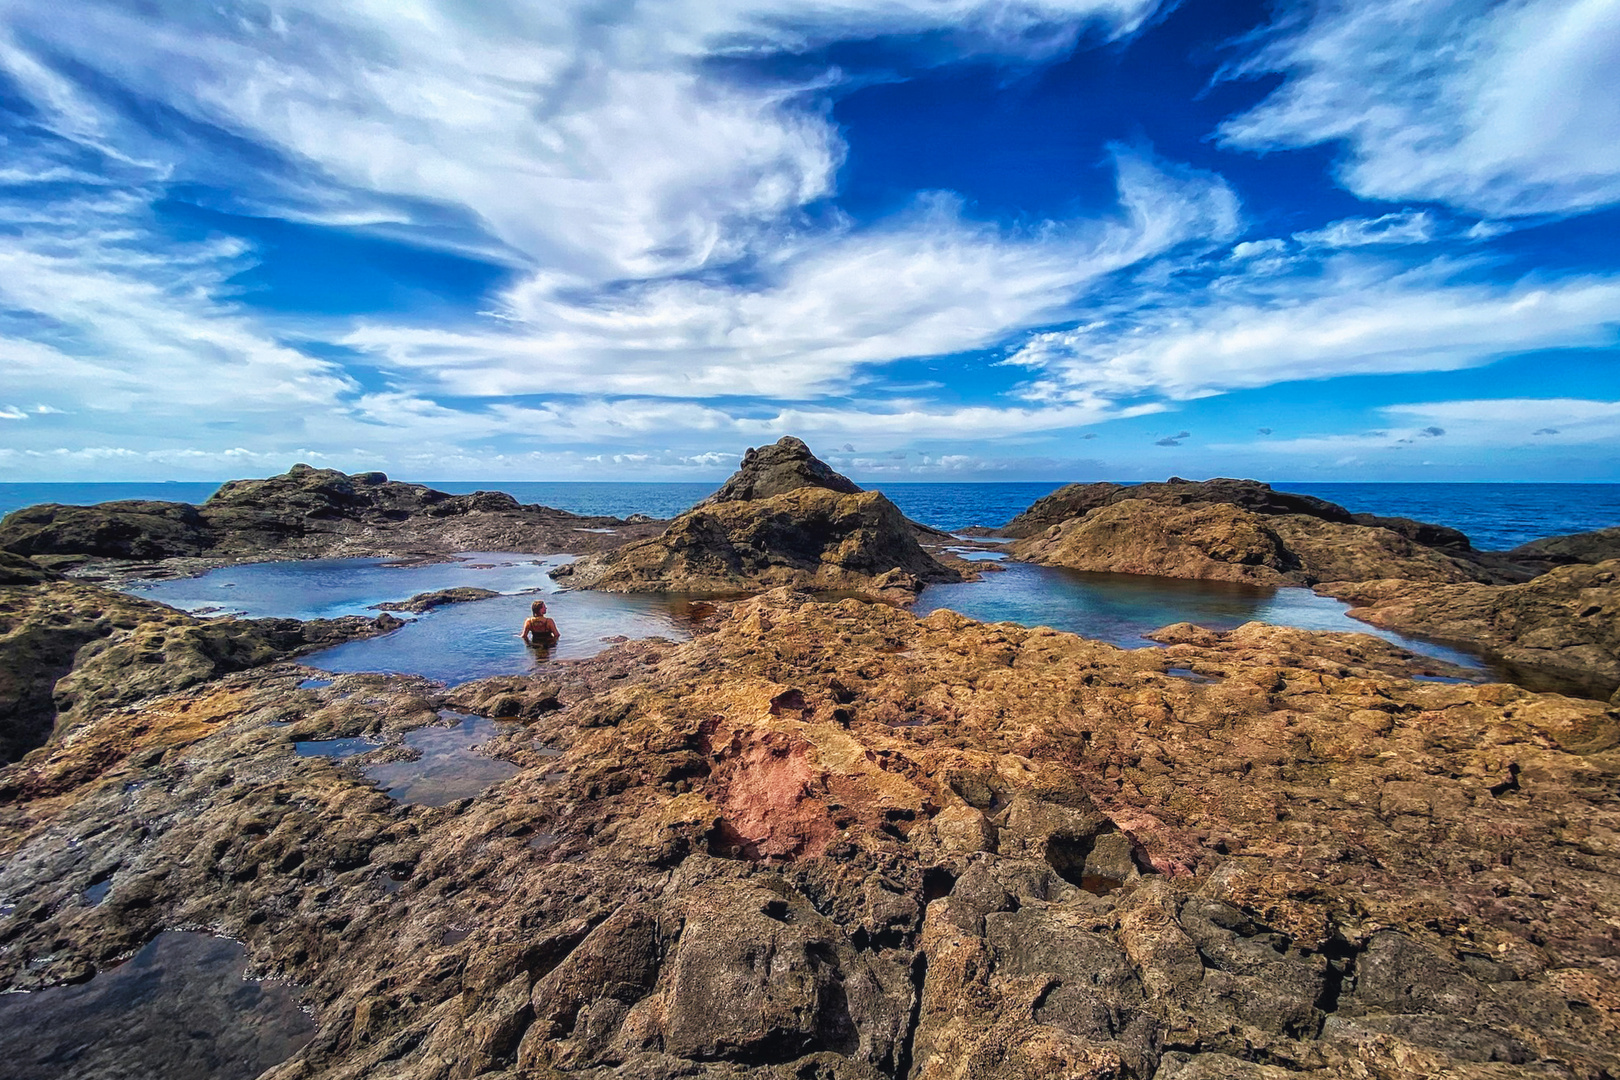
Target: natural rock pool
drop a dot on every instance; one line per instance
(1121, 608)
(180, 1009)
(447, 769)
(454, 643)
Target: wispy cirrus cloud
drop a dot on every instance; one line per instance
(1499, 109)
(1277, 317)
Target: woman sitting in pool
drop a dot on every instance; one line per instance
(538, 629)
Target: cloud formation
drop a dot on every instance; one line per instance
(1499, 109)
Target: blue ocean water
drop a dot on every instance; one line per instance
(1495, 516)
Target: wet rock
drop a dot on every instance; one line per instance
(1587, 547)
(438, 598)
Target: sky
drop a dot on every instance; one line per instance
(1371, 240)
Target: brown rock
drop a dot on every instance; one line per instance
(1565, 622)
(1223, 542)
(807, 537)
(786, 465)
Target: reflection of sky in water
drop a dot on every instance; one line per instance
(453, 643)
(1120, 608)
(461, 642)
(177, 1010)
(328, 588)
(449, 769)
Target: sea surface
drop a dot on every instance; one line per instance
(1495, 516)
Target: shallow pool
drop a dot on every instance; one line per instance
(1121, 608)
(179, 1009)
(454, 643)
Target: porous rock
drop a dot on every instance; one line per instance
(834, 840)
(784, 466)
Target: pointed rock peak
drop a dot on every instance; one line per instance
(784, 466)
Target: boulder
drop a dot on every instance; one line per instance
(126, 529)
(1077, 500)
(784, 466)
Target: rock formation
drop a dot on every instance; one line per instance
(1565, 621)
(1223, 542)
(784, 466)
(833, 841)
(70, 651)
(1587, 547)
(304, 513)
(784, 518)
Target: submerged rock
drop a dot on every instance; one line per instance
(1565, 621)
(833, 840)
(785, 518)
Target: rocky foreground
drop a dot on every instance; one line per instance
(832, 840)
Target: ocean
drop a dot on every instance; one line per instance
(1494, 516)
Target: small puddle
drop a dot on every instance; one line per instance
(179, 1009)
(335, 748)
(96, 893)
(544, 841)
(449, 769)
(314, 684)
(1188, 674)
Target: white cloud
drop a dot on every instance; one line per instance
(1405, 227)
(1472, 425)
(929, 283)
(599, 147)
(1344, 314)
(1501, 109)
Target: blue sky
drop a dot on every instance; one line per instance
(938, 239)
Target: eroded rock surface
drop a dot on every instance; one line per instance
(427, 601)
(835, 841)
(1601, 545)
(784, 466)
(1567, 620)
(307, 512)
(785, 518)
(1222, 541)
(71, 650)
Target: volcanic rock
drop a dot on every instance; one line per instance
(1566, 621)
(1077, 500)
(69, 651)
(1224, 542)
(832, 840)
(784, 466)
(427, 601)
(785, 519)
(1587, 547)
(307, 513)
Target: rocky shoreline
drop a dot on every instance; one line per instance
(826, 838)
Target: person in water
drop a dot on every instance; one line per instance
(538, 629)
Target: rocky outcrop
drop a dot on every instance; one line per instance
(810, 537)
(835, 841)
(1566, 621)
(69, 651)
(786, 465)
(438, 598)
(305, 513)
(1222, 542)
(1587, 547)
(1077, 500)
(784, 518)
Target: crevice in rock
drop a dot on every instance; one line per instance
(905, 1047)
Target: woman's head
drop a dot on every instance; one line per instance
(538, 607)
